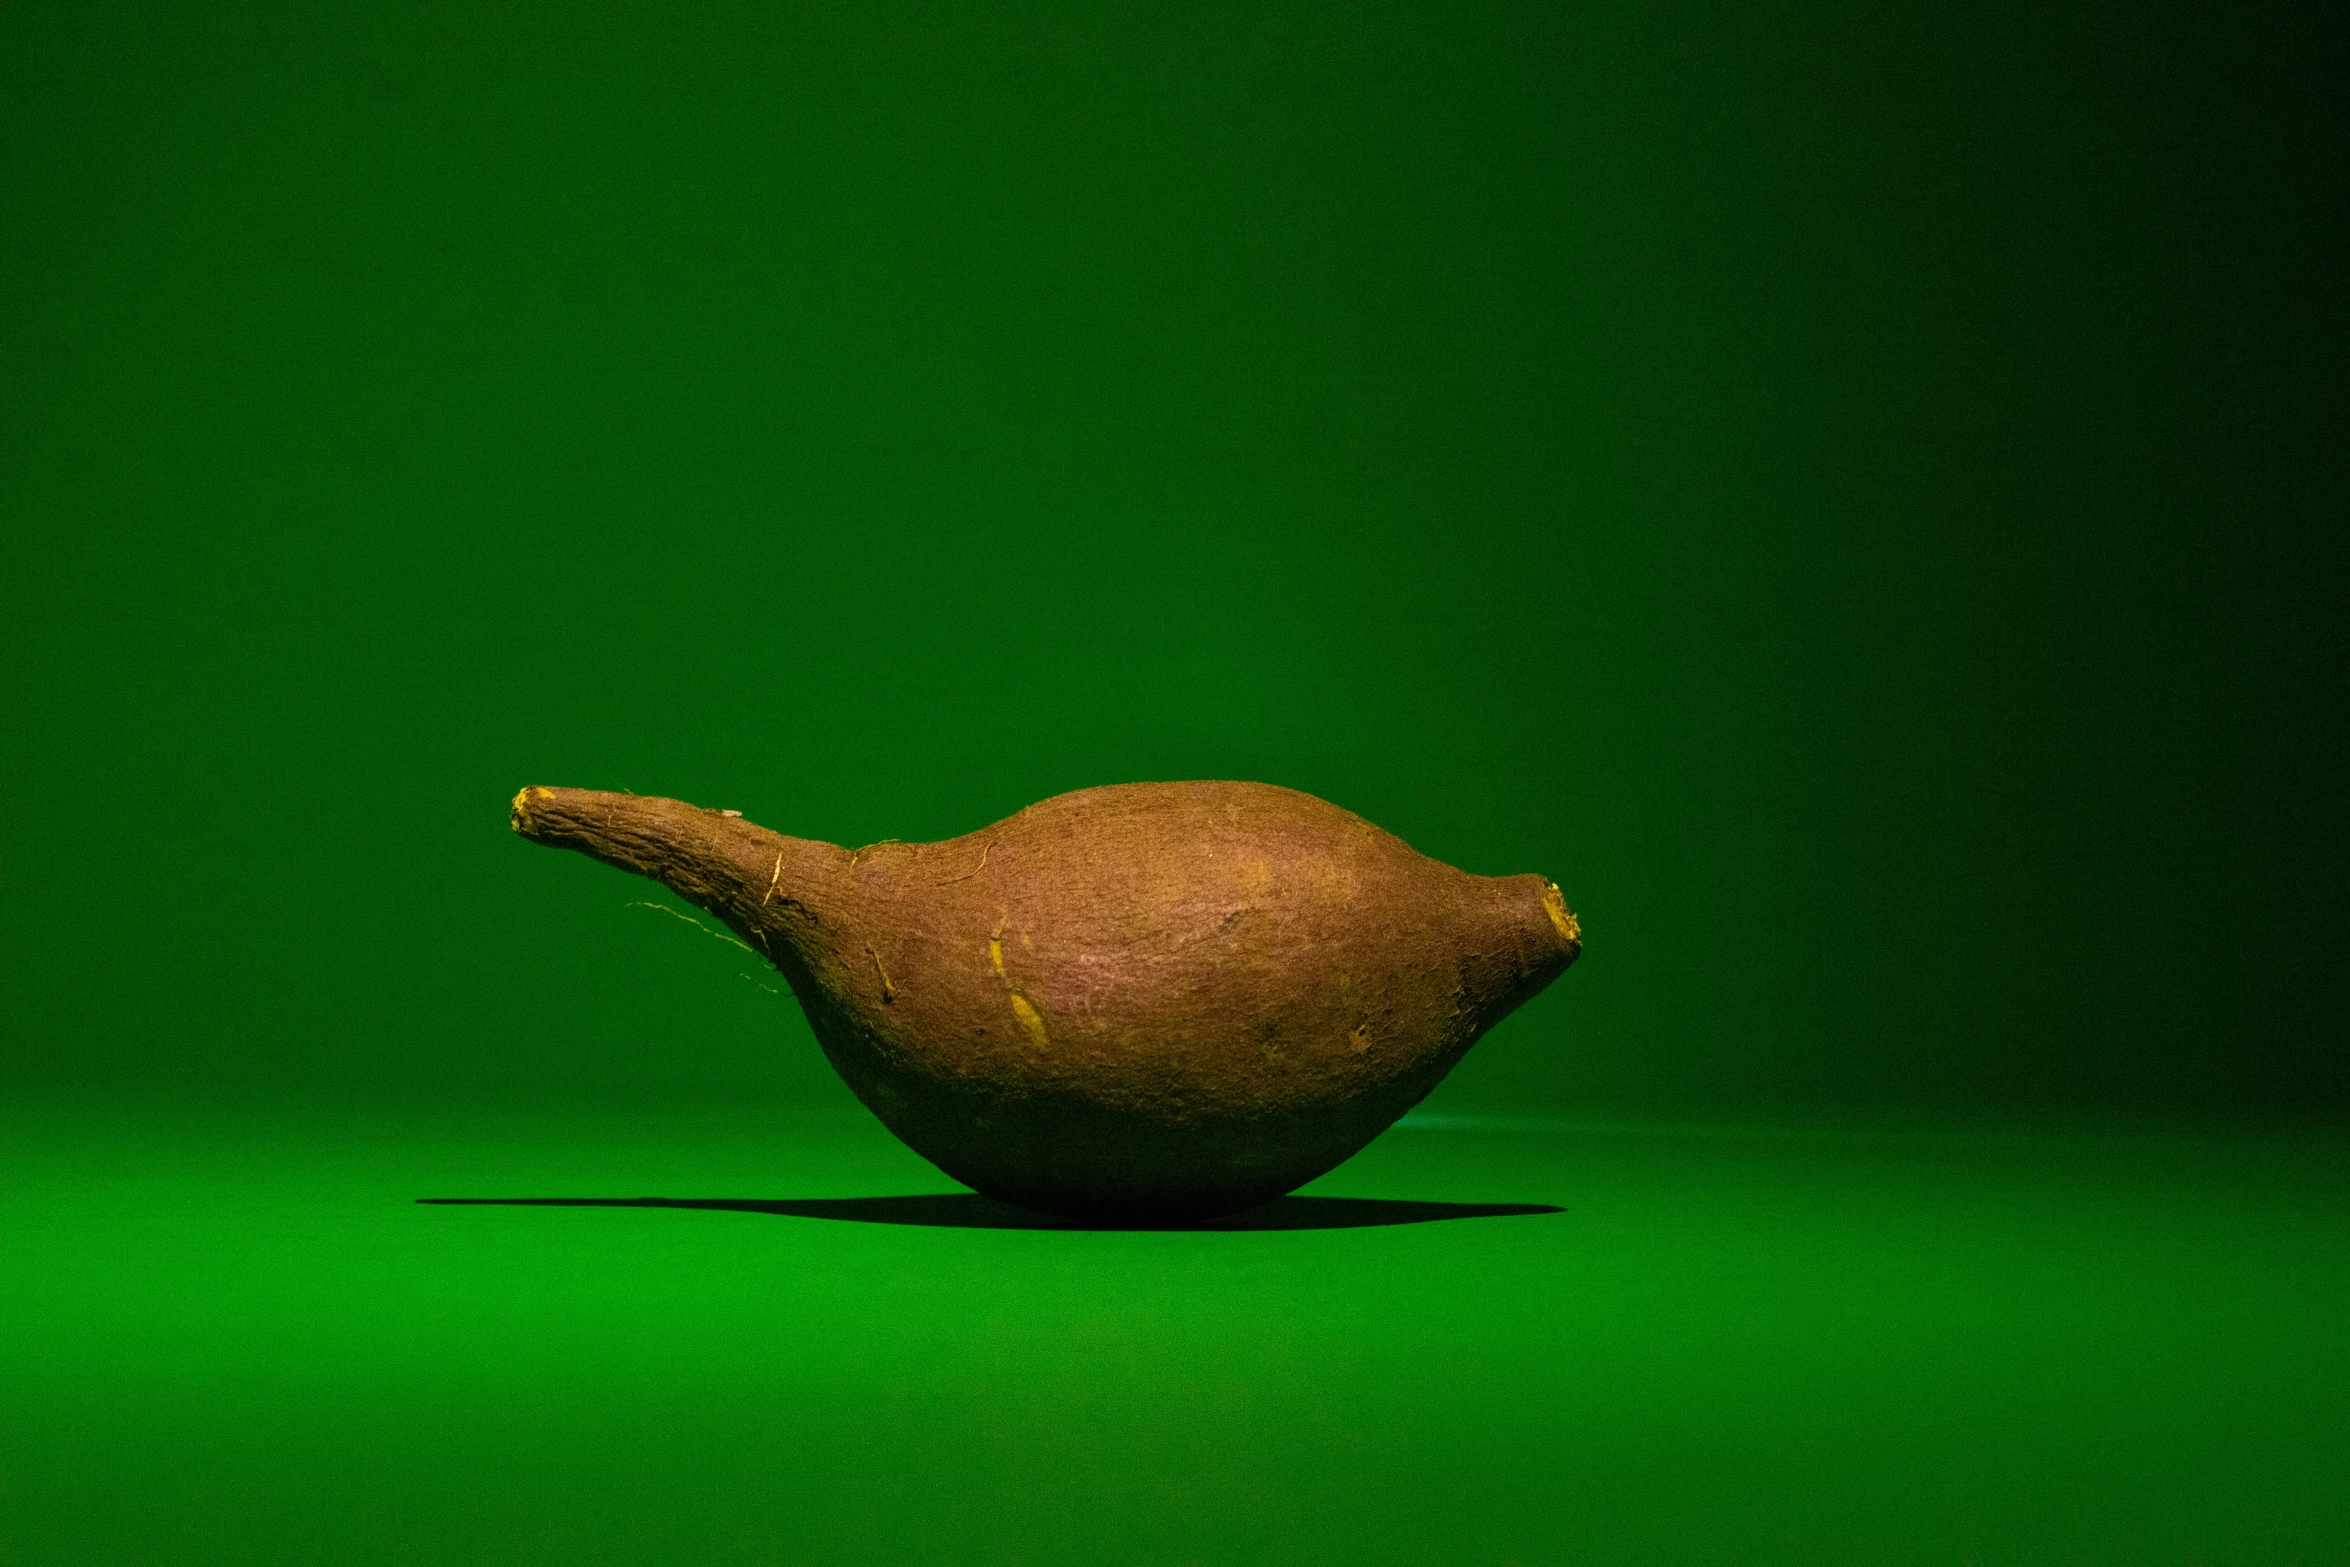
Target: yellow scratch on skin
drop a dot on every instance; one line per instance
(889, 992)
(771, 877)
(1031, 1020)
(995, 953)
(985, 850)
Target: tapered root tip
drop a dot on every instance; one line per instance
(520, 817)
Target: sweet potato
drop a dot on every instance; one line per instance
(1143, 1003)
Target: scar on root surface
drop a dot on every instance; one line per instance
(1031, 1020)
(1562, 918)
(985, 850)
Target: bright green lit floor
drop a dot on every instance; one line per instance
(236, 1337)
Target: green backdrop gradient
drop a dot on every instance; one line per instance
(1852, 499)
(1853, 493)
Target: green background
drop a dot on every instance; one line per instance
(1855, 496)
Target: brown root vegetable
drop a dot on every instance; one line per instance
(1142, 1003)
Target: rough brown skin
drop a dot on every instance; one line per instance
(1147, 1003)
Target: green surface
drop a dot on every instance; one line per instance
(1853, 493)
(238, 1339)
